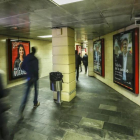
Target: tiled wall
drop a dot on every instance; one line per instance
(44, 54)
(108, 79)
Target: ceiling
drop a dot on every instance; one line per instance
(89, 18)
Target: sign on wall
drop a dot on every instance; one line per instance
(98, 57)
(126, 60)
(17, 50)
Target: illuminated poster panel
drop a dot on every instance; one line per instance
(125, 54)
(17, 51)
(98, 57)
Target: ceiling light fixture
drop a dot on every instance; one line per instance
(62, 2)
(45, 36)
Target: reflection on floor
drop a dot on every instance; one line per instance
(97, 113)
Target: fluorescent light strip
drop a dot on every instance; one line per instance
(62, 2)
(45, 36)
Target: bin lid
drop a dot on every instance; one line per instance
(56, 76)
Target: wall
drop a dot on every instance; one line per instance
(44, 54)
(109, 65)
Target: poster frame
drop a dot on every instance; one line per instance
(135, 50)
(9, 47)
(102, 57)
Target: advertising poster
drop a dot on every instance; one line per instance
(97, 50)
(124, 67)
(19, 50)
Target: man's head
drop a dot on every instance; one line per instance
(76, 52)
(125, 45)
(33, 50)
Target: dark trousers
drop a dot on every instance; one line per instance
(86, 68)
(4, 133)
(77, 73)
(25, 97)
(80, 67)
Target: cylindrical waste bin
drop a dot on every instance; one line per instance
(56, 84)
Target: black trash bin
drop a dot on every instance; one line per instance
(56, 79)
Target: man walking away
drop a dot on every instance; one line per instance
(30, 65)
(77, 61)
(80, 65)
(85, 62)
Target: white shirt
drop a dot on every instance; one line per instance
(124, 66)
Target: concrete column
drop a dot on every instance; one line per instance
(90, 58)
(64, 60)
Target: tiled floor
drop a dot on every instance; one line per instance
(97, 113)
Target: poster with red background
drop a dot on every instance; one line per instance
(17, 51)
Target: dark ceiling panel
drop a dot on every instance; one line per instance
(92, 29)
(94, 21)
(42, 23)
(34, 17)
(81, 7)
(8, 9)
(11, 21)
(73, 24)
(107, 4)
(52, 12)
(15, 7)
(117, 11)
(66, 19)
(137, 9)
(88, 15)
(118, 19)
(32, 5)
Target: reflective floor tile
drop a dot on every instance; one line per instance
(108, 107)
(29, 135)
(91, 123)
(97, 116)
(116, 136)
(90, 131)
(118, 128)
(75, 136)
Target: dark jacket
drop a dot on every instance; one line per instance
(4, 104)
(85, 60)
(129, 65)
(77, 60)
(80, 60)
(30, 65)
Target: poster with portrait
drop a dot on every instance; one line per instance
(124, 53)
(98, 56)
(17, 51)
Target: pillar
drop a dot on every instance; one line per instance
(90, 58)
(63, 49)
